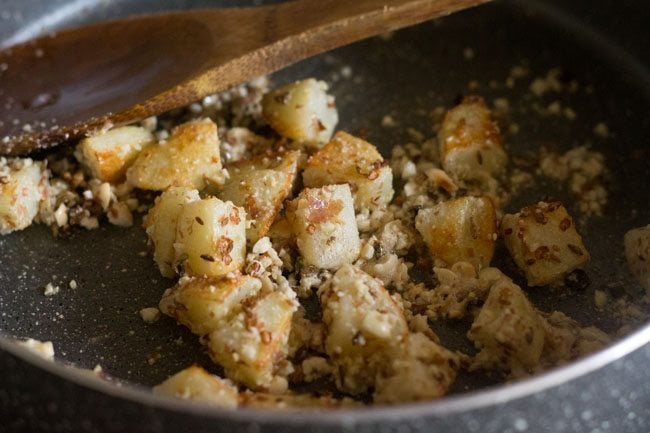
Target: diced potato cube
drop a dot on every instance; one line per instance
(190, 158)
(460, 230)
(160, 224)
(348, 159)
(325, 226)
(470, 141)
(424, 371)
(301, 111)
(108, 155)
(210, 238)
(202, 304)
(194, 383)
(22, 187)
(254, 339)
(260, 186)
(246, 327)
(365, 328)
(543, 241)
(508, 330)
(637, 253)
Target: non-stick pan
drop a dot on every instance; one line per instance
(602, 46)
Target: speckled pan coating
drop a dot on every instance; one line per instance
(418, 68)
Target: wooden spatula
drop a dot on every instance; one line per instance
(74, 83)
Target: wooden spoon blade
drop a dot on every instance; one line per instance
(71, 84)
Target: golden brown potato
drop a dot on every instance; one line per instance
(544, 243)
(22, 188)
(210, 238)
(460, 230)
(254, 339)
(365, 328)
(246, 327)
(194, 383)
(348, 159)
(202, 304)
(508, 330)
(260, 186)
(160, 224)
(470, 141)
(108, 155)
(325, 226)
(301, 111)
(190, 158)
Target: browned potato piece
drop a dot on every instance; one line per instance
(260, 186)
(323, 221)
(470, 141)
(423, 371)
(210, 238)
(348, 159)
(460, 230)
(190, 158)
(254, 338)
(302, 111)
(365, 328)
(108, 155)
(160, 224)
(246, 328)
(543, 241)
(194, 383)
(508, 330)
(22, 187)
(202, 304)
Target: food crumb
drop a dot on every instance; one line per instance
(44, 349)
(153, 357)
(51, 289)
(73, 284)
(388, 121)
(600, 299)
(150, 314)
(601, 130)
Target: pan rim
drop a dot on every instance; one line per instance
(450, 405)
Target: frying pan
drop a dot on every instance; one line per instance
(603, 48)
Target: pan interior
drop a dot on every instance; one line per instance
(406, 76)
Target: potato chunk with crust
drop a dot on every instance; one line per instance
(210, 238)
(194, 383)
(365, 328)
(190, 157)
(160, 224)
(348, 159)
(424, 371)
(637, 253)
(245, 326)
(254, 339)
(460, 230)
(325, 227)
(543, 241)
(508, 330)
(260, 186)
(202, 304)
(301, 111)
(22, 187)
(107, 156)
(470, 141)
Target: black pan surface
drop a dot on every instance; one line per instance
(406, 76)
